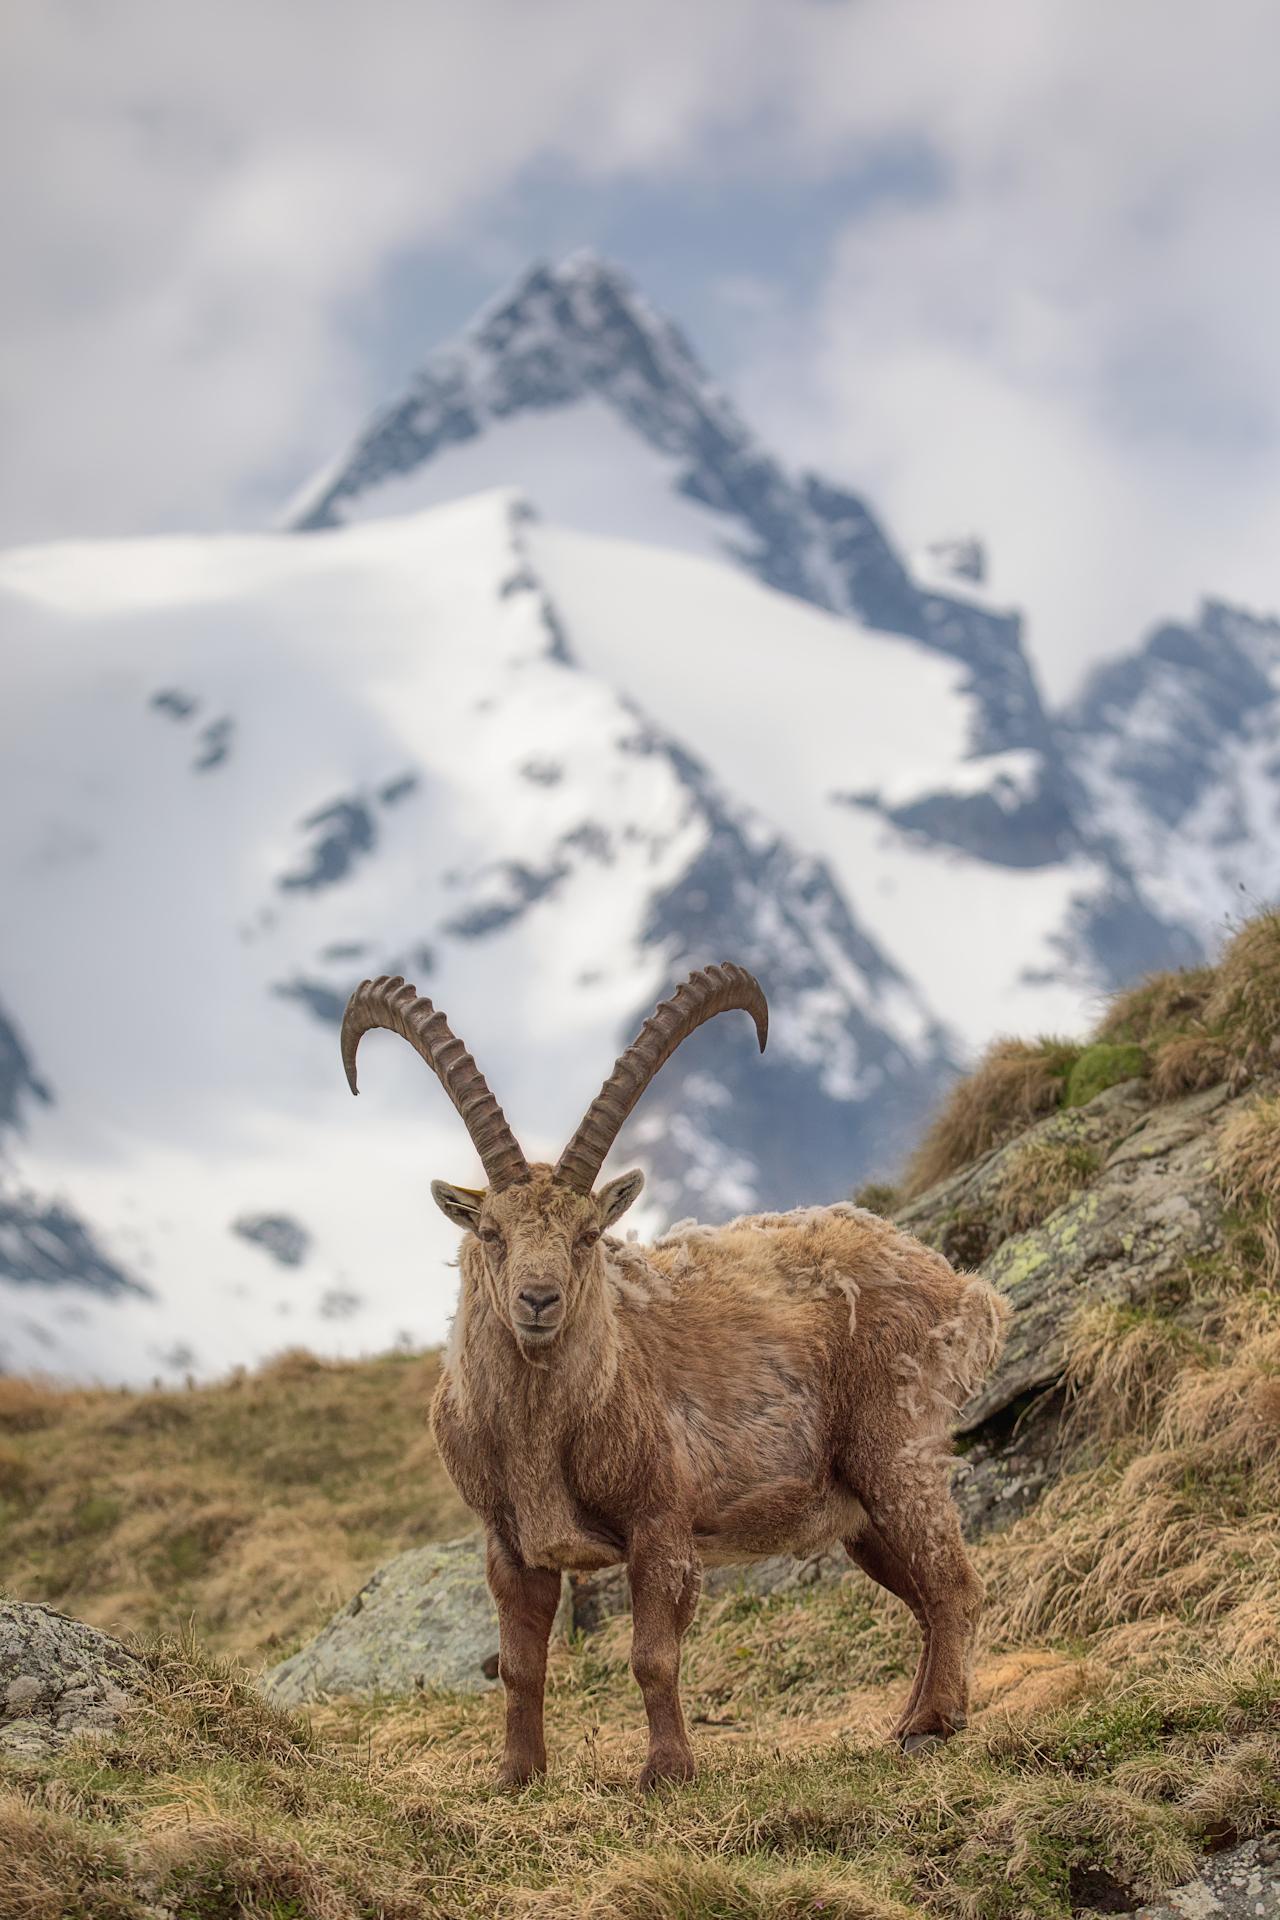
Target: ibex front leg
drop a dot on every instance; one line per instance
(526, 1599)
(665, 1578)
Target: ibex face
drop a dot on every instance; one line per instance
(538, 1240)
(538, 1225)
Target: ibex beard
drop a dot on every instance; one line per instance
(776, 1385)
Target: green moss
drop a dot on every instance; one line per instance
(1105, 1064)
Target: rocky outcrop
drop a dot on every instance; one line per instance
(426, 1619)
(1149, 1205)
(58, 1677)
(1241, 1884)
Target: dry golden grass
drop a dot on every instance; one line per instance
(1249, 1161)
(1016, 1083)
(1120, 1364)
(1127, 1692)
(207, 1804)
(254, 1507)
(1178, 1521)
(1186, 1031)
(1127, 1708)
(1160, 1004)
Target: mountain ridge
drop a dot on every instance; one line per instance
(556, 685)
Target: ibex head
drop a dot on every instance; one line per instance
(537, 1225)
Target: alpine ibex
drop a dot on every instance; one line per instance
(773, 1385)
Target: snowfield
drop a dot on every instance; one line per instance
(240, 773)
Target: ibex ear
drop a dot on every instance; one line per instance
(459, 1204)
(614, 1199)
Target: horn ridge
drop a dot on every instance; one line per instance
(391, 1003)
(707, 992)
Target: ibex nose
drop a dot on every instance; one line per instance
(538, 1299)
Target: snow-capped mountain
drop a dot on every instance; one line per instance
(1177, 749)
(252, 771)
(556, 684)
(572, 387)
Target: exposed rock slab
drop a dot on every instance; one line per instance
(1241, 1884)
(425, 1619)
(1152, 1205)
(58, 1677)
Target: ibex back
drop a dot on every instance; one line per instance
(775, 1385)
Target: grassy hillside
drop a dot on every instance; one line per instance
(250, 1509)
(1127, 1698)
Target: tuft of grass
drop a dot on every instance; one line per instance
(1120, 1365)
(1249, 1168)
(1183, 1032)
(1209, 1024)
(26, 1405)
(877, 1196)
(1244, 1004)
(1189, 1063)
(1103, 1064)
(673, 1886)
(1161, 1004)
(1016, 1083)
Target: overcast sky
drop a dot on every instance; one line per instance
(1010, 265)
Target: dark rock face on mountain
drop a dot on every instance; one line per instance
(42, 1242)
(1169, 741)
(285, 1239)
(1177, 751)
(723, 1125)
(582, 330)
(19, 1080)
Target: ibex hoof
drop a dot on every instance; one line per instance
(518, 1773)
(921, 1742)
(665, 1772)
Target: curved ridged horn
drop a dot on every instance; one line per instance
(388, 1002)
(709, 991)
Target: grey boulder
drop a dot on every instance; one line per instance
(1240, 1884)
(424, 1620)
(58, 1677)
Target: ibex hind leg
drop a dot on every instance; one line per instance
(868, 1551)
(908, 1500)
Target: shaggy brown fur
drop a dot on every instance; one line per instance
(773, 1385)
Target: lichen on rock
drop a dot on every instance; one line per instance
(58, 1677)
(1153, 1204)
(425, 1619)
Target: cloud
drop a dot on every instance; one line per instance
(1074, 346)
(1069, 341)
(200, 195)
